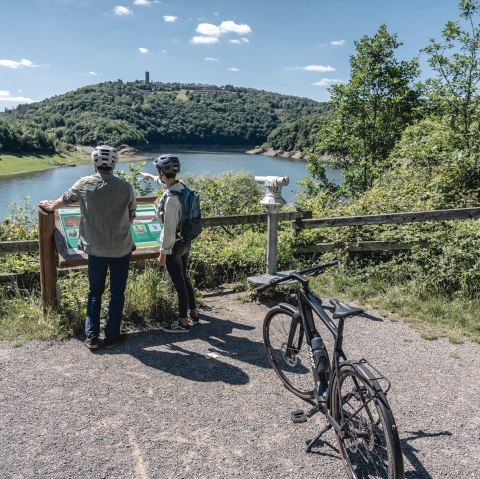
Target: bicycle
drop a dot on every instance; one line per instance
(347, 392)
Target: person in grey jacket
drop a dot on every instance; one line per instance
(107, 208)
(174, 250)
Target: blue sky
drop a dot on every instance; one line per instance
(50, 47)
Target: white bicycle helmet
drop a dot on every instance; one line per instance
(105, 156)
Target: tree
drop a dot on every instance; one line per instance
(370, 111)
(454, 93)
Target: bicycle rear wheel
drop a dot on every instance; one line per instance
(370, 445)
(289, 359)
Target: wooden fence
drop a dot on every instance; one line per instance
(300, 220)
(392, 218)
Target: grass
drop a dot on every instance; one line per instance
(18, 164)
(22, 318)
(433, 316)
(149, 301)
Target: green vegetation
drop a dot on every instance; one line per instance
(299, 135)
(155, 113)
(405, 146)
(17, 164)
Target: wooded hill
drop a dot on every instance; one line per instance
(140, 113)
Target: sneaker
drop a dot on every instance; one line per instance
(176, 327)
(91, 342)
(116, 342)
(193, 319)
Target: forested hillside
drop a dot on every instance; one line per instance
(298, 135)
(140, 113)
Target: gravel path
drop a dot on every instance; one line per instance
(207, 405)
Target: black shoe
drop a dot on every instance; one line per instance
(176, 327)
(108, 343)
(91, 342)
(193, 319)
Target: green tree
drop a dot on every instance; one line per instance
(370, 111)
(453, 94)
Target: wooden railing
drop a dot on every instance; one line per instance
(392, 218)
(300, 220)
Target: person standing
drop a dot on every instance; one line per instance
(174, 250)
(107, 209)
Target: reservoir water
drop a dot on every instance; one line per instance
(51, 184)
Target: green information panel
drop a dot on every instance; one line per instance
(145, 229)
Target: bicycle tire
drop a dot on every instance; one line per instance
(292, 365)
(371, 445)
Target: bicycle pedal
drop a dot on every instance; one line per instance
(298, 416)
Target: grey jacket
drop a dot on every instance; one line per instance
(168, 212)
(107, 207)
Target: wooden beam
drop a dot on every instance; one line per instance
(362, 246)
(48, 259)
(252, 219)
(395, 218)
(28, 246)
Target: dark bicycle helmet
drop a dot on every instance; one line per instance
(169, 164)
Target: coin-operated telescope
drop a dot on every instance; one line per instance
(273, 202)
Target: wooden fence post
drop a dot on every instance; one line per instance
(48, 260)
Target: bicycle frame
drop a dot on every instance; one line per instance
(308, 304)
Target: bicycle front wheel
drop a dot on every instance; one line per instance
(287, 351)
(369, 443)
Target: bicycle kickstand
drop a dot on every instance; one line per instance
(317, 437)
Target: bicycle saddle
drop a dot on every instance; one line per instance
(342, 310)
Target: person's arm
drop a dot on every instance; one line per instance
(132, 207)
(148, 176)
(51, 205)
(68, 198)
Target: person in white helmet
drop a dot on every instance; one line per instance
(107, 207)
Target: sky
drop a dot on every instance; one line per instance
(301, 48)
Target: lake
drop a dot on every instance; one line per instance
(51, 184)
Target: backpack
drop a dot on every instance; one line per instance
(191, 215)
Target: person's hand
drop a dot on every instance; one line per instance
(46, 205)
(161, 260)
(147, 176)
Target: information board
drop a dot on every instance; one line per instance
(145, 229)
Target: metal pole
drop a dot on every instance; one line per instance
(272, 235)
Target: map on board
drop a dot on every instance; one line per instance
(145, 228)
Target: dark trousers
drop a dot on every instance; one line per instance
(176, 264)
(98, 267)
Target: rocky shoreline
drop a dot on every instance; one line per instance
(294, 155)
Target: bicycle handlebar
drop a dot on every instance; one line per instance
(297, 276)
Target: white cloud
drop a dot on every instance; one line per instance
(14, 64)
(211, 59)
(233, 69)
(93, 74)
(327, 82)
(170, 18)
(315, 68)
(143, 50)
(142, 3)
(6, 96)
(235, 41)
(209, 30)
(230, 26)
(122, 11)
(204, 40)
(337, 43)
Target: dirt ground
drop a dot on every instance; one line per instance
(207, 405)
